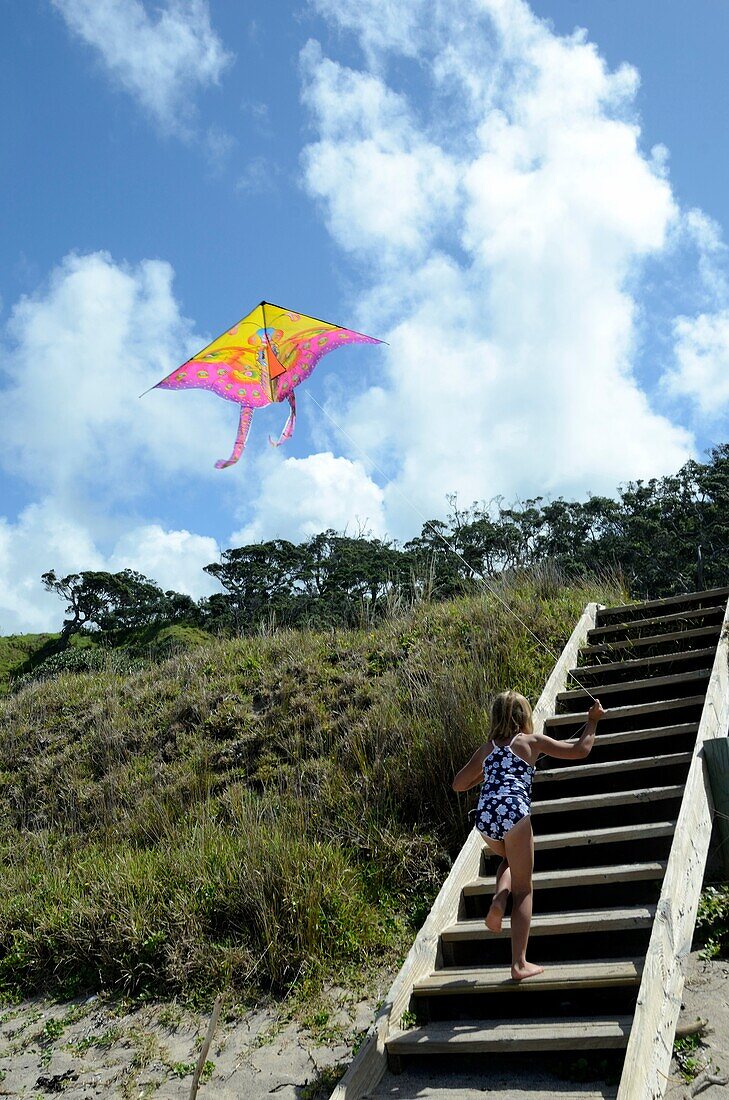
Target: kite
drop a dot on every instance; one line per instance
(260, 360)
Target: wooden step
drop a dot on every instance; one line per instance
(584, 771)
(600, 633)
(618, 834)
(612, 798)
(491, 1036)
(704, 632)
(718, 595)
(578, 876)
(635, 710)
(556, 924)
(591, 974)
(676, 680)
(588, 671)
(653, 733)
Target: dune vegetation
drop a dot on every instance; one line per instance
(251, 813)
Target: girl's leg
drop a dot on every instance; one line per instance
(495, 915)
(519, 844)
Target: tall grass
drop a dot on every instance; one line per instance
(255, 810)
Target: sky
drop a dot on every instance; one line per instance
(529, 203)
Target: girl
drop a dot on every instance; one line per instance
(505, 766)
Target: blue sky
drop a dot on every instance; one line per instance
(534, 221)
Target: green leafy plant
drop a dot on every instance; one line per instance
(685, 1052)
(712, 920)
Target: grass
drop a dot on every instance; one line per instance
(712, 921)
(256, 813)
(17, 653)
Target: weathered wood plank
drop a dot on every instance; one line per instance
(636, 710)
(589, 974)
(600, 633)
(720, 594)
(717, 760)
(618, 834)
(648, 1055)
(370, 1061)
(676, 680)
(703, 632)
(612, 798)
(557, 924)
(463, 1037)
(652, 733)
(578, 876)
(583, 771)
(587, 671)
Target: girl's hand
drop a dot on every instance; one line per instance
(596, 712)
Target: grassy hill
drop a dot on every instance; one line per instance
(253, 812)
(18, 652)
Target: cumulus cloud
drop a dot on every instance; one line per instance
(303, 496)
(75, 358)
(175, 559)
(45, 536)
(701, 368)
(503, 226)
(159, 60)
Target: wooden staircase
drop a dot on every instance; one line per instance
(620, 842)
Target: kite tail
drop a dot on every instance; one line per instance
(289, 427)
(246, 415)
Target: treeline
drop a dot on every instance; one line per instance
(666, 535)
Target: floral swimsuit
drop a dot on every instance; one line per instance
(506, 792)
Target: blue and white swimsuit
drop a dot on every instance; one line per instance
(506, 792)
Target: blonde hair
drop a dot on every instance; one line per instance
(510, 714)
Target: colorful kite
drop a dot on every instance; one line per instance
(260, 360)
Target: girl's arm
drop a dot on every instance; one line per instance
(473, 772)
(573, 750)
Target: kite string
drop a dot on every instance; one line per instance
(428, 523)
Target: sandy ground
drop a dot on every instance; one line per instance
(96, 1048)
(92, 1047)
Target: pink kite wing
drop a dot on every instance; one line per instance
(301, 353)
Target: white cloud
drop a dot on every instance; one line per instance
(259, 177)
(44, 537)
(701, 369)
(76, 357)
(160, 60)
(503, 225)
(175, 559)
(304, 496)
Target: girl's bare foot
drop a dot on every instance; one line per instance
(528, 970)
(494, 917)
